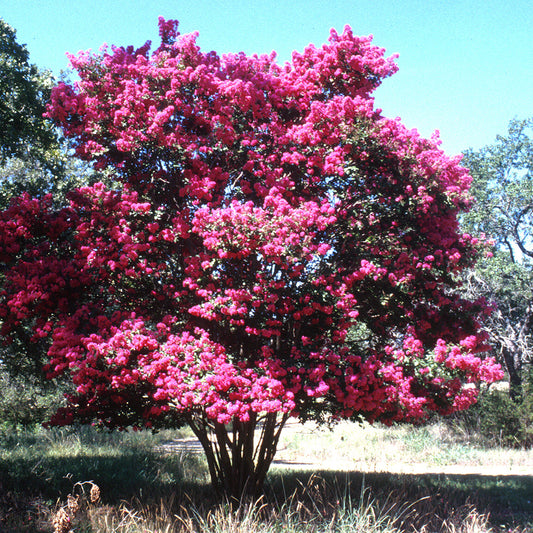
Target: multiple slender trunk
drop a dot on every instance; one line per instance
(239, 454)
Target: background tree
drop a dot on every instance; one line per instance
(33, 156)
(272, 247)
(24, 91)
(503, 188)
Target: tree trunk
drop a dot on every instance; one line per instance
(239, 454)
(513, 363)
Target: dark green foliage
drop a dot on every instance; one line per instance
(26, 401)
(24, 91)
(33, 157)
(57, 174)
(496, 420)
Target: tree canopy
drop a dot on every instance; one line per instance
(33, 156)
(273, 246)
(24, 91)
(503, 188)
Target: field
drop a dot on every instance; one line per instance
(354, 478)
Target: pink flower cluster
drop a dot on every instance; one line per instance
(271, 243)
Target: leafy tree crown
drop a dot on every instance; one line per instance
(24, 91)
(273, 244)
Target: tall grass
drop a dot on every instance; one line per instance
(358, 484)
(316, 508)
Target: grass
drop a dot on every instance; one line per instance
(366, 481)
(377, 448)
(48, 462)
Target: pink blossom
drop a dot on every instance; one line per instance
(271, 243)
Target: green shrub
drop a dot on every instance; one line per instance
(496, 421)
(26, 402)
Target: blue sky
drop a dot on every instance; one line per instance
(466, 66)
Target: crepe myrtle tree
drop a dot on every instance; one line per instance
(275, 248)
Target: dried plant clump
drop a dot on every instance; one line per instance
(94, 494)
(73, 503)
(61, 521)
(76, 505)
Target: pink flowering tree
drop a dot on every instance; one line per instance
(274, 248)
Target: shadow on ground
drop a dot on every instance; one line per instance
(31, 487)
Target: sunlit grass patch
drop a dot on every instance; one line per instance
(403, 448)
